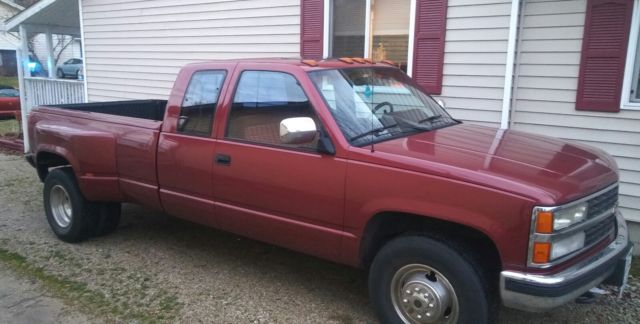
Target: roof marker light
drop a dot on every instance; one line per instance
(310, 62)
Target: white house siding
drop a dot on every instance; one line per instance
(546, 93)
(475, 57)
(134, 49)
(8, 41)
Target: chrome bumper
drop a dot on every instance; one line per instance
(533, 292)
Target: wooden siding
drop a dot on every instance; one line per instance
(545, 97)
(474, 60)
(136, 48)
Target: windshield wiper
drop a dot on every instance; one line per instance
(374, 131)
(430, 118)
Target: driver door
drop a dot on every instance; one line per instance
(287, 194)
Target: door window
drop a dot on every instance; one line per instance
(199, 103)
(262, 100)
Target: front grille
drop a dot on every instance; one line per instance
(602, 203)
(600, 230)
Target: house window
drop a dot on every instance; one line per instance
(378, 29)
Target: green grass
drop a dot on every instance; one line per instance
(79, 294)
(9, 81)
(9, 126)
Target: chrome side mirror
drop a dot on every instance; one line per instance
(182, 121)
(441, 103)
(297, 130)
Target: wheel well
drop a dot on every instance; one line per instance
(46, 161)
(385, 226)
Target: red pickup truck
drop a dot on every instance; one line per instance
(348, 160)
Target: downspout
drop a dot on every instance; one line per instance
(511, 55)
(516, 76)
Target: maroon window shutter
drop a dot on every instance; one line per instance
(428, 52)
(604, 52)
(311, 29)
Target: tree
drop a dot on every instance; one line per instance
(59, 43)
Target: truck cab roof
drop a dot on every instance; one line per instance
(306, 64)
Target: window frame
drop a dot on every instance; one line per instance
(368, 37)
(632, 65)
(225, 136)
(225, 74)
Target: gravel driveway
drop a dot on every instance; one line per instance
(159, 269)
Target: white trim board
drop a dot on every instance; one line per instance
(632, 47)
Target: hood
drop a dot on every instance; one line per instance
(546, 169)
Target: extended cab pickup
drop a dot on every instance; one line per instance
(350, 161)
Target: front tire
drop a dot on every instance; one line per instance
(60, 74)
(416, 279)
(69, 214)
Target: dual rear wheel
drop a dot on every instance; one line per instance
(71, 217)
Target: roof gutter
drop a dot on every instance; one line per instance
(511, 55)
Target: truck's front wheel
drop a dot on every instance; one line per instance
(416, 279)
(70, 216)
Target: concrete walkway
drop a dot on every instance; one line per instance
(22, 301)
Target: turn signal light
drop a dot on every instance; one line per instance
(544, 222)
(541, 252)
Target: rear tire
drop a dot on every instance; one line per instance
(60, 74)
(416, 279)
(108, 219)
(69, 214)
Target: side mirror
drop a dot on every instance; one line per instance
(182, 121)
(297, 130)
(441, 103)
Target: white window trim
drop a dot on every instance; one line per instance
(626, 103)
(326, 39)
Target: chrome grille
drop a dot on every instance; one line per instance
(602, 203)
(600, 230)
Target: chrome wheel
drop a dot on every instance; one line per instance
(421, 294)
(60, 206)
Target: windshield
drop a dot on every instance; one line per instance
(377, 104)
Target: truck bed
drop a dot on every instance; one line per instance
(146, 109)
(110, 145)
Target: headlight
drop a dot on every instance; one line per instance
(568, 216)
(567, 245)
(548, 244)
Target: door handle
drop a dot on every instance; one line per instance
(223, 159)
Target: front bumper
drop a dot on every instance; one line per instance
(534, 292)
